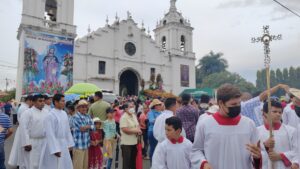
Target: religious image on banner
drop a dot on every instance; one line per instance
(184, 74)
(48, 63)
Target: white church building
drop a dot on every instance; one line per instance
(115, 57)
(118, 56)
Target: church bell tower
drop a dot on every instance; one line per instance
(45, 24)
(174, 33)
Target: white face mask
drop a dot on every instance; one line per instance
(131, 110)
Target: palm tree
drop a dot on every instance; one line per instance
(209, 64)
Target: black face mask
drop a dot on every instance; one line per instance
(297, 110)
(234, 111)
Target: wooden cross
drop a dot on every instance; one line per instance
(266, 39)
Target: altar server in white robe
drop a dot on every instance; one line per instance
(281, 149)
(226, 140)
(173, 152)
(17, 153)
(291, 113)
(33, 131)
(55, 154)
(171, 106)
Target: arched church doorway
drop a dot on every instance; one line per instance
(129, 83)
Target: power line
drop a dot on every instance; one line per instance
(12, 67)
(7, 62)
(287, 8)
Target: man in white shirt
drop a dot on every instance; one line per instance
(17, 154)
(291, 114)
(59, 140)
(160, 122)
(226, 140)
(33, 132)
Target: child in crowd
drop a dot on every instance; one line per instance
(95, 152)
(110, 133)
(174, 152)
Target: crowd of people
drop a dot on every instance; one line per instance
(229, 131)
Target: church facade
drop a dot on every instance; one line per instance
(118, 56)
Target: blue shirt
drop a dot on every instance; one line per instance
(248, 109)
(152, 115)
(6, 124)
(109, 129)
(81, 139)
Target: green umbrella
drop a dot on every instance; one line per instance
(83, 89)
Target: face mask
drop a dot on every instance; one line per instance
(131, 110)
(234, 111)
(297, 110)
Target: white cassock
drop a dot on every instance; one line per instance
(168, 155)
(298, 138)
(221, 142)
(33, 133)
(285, 143)
(47, 107)
(159, 131)
(17, 153)
(289, 116)
(58, 139)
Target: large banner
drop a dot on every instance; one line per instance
(48, 63)
(184, 75)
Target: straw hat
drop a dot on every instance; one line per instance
(97, 119)
(82, 103)
(154, 103)
(295, 92)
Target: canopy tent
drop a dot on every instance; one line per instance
(83, 89)
(197, 92)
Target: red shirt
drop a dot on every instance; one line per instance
(142, 120)
(118, 115)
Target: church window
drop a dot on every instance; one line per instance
(51, 10)
(164, 43)
(152, 71)
(181, 21)
(101, 67)
(164, 22)
(182, 43)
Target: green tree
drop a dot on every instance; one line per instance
(215, 80)
(279, 76)
(297, 85)
(209, 64)
(11, 95)
(285, 76)
(273, 79)
(292, 77)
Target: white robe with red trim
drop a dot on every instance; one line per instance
(289, 116)
(285, 143)
(172, 156)
(222, 142)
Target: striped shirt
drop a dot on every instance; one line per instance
(248, 109)
(6, 124)
(81, 139)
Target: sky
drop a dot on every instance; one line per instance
(219, 26)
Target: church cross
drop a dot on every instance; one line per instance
(266, 39)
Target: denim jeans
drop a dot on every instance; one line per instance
(2, 156)
(109, 162)
(152, 143)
